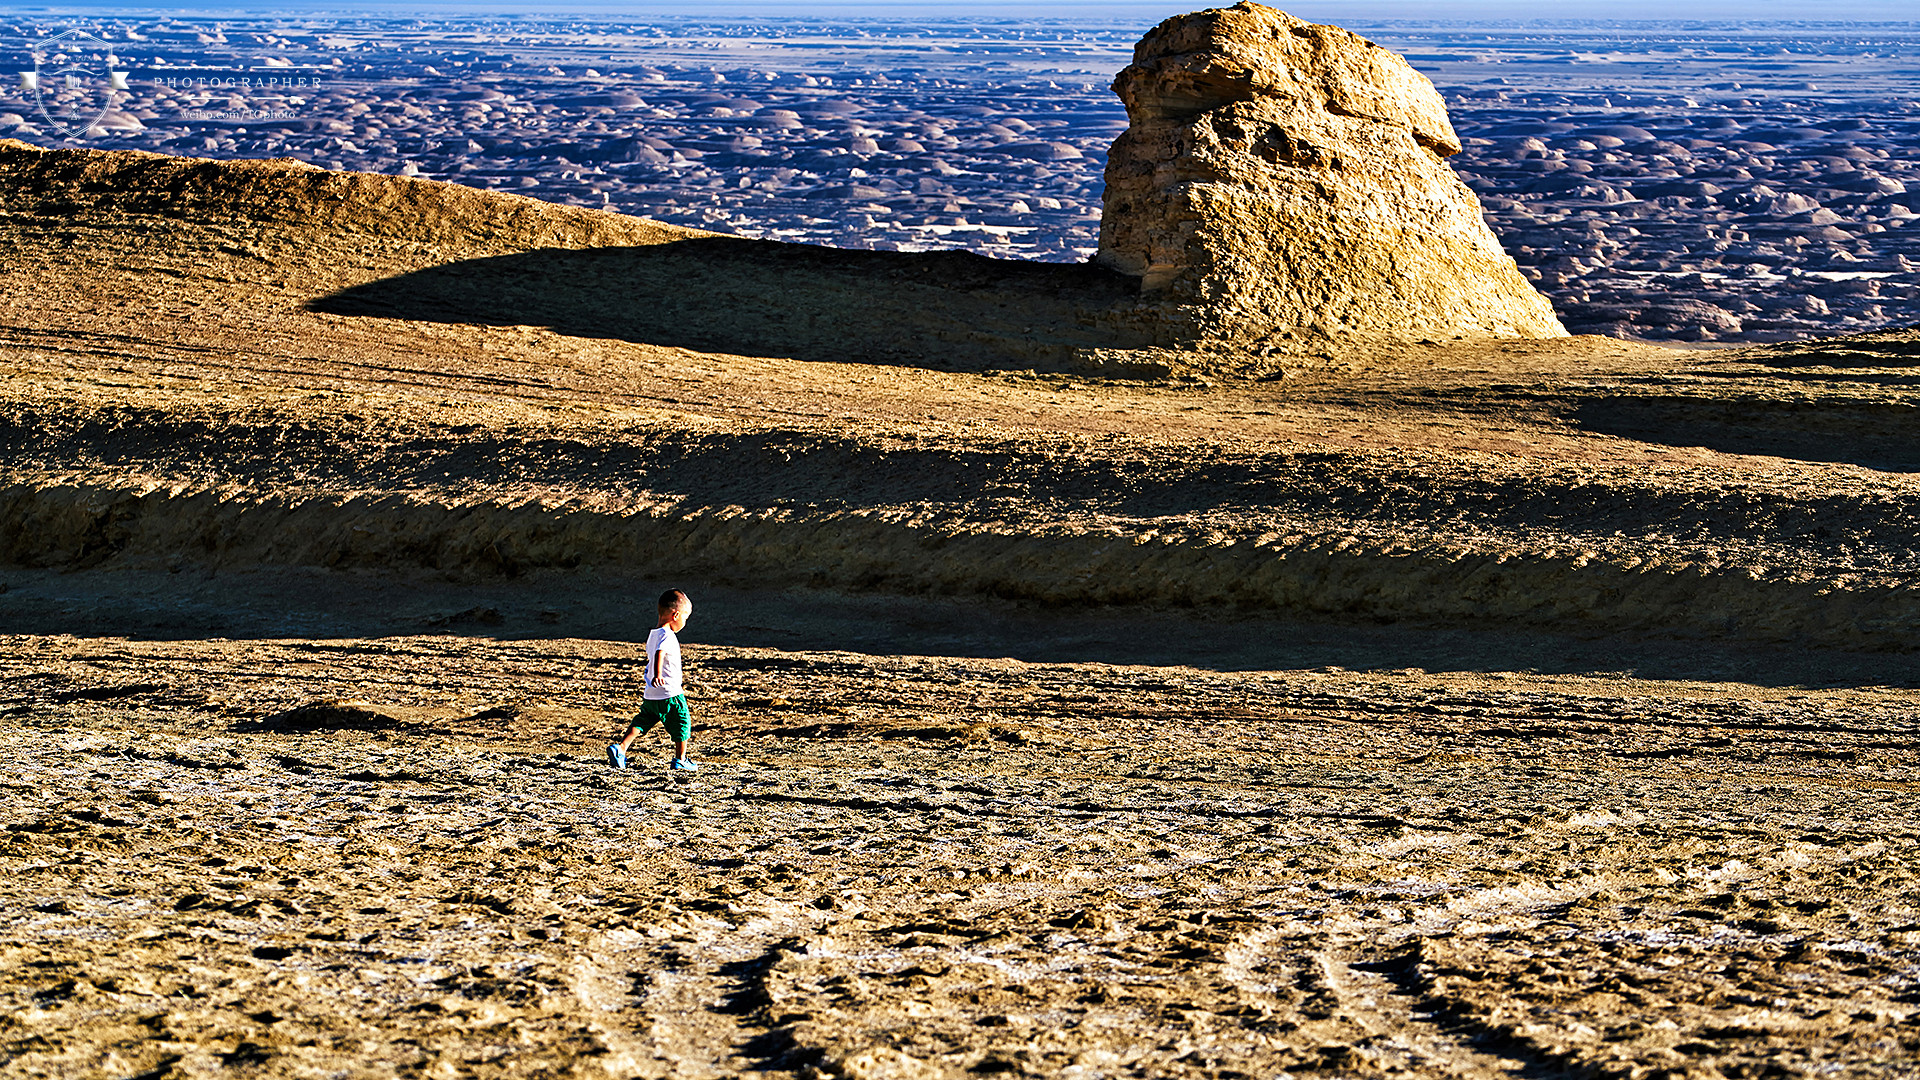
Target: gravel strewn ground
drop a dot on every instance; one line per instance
(905, 866)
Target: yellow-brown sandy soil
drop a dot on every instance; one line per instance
(1450, 709)
(917, 866)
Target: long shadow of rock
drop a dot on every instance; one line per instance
(1883, 437)
(761, 298)
(1878, 349)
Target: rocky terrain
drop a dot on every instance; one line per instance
(1728, 182)
(1450, 709)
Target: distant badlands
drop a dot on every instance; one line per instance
(1709, 185)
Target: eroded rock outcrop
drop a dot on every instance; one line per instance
(1280, 177)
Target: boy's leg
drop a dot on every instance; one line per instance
(617, 752)
(640, 724)
(636, 727)
(679, 724)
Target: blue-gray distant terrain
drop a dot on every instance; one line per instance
(1703, 181)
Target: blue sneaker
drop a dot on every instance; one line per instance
(616, 756)
(681, 764)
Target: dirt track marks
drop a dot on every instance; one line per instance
(1036, 875)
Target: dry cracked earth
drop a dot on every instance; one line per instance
(402, 855)
(224, 857)
(315, 624)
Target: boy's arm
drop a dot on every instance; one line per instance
(653, 665)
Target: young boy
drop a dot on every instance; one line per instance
(665, 700)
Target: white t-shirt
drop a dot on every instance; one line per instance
(663, 649)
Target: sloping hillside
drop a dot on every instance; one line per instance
(259, 363)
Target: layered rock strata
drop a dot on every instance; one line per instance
(1279, 176)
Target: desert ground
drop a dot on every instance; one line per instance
(1438, 709)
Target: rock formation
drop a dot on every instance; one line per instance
(1279, 176)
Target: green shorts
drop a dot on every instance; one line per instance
(670, 711)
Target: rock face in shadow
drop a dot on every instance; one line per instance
(1281, 177)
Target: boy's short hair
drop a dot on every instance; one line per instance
(673, 600)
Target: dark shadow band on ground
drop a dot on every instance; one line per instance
(711, 471)
(768, 299)
(1331, 572)
(1885, 437)
(282, 603)
(1892, 348)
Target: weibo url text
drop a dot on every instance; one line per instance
(239, 114)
